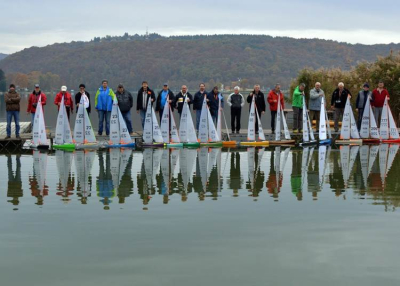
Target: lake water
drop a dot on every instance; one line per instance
(201, 217)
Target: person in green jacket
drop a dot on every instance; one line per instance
(297, 105)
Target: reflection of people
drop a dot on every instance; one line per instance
(125, 188)
(36, 191)
(69, 188)
(313, 177)
(335, 177)
(104, 182)
(274, 181)
(144, 189)
(14, 190)
(295, 177)
(235, 181)
(259, 178)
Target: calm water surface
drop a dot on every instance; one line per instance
(201, 217)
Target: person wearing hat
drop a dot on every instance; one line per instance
(144, 96)
(103, 102)
(83, 92)
(181, 97)
(361, 101)
(378, 99)
(33, 101)
(12, 99)
(338, 103)
(69, 104)
(314, 104)
(162, 99)
(125, 103)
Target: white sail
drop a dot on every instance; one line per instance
(310, 128)
(364, 151)
(393, 132)
(374, 131)
(114, 124)
(39, 136)
(203, 164)
(175, 162)
(321, 164)
(79, 130)
(384, 127)
(187, 133)
(373, 152)
(191, 132)
(251, 130)
(393, 149)
(344, 161)
(63, 130)
(203, 127)
(174, 130)
(165, 122)
(219, 122)
(345, 131)
(261, 135)
(353, 126)
(383, 156)
(278, 123)
(322, 122)
(156, 129)
(125, 137)
(212, 133)
(148, 126)
(285, 127)
(365, 122)
(306, 133)
(39, 168)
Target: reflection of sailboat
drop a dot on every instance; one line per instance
(187, 132)
(203, 165)
(39, 137)
(83, 164)
(251, 130)
(280, 116)
(119, 135)
(349, 133)
(386, 157)
(308, 133)
(84, 137)
(167, 121)
(388, 129)
(369, 130)
(207, 132)
(324, 128)
(348, 156)
(39, 188)
(187, 160)
(63, 139)
(119, 161)
(151, 131)
(64, 162)
(322, 150)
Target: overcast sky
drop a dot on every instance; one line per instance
(42, 22)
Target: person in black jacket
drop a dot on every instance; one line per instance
(259, 101)
(125, 103)
(180, 97)
(213, 103)
(162, 99)
(145, 94)
(78, 96)
(198, 103)
(338, 103)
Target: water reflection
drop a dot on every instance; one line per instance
(158, 176)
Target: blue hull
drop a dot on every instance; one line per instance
(325, 142)
(130, 145)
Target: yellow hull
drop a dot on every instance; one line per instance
(349, 141)
(282, 142)
(255, 143)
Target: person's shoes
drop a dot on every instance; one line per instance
(237, 132)
(17, 137)
(273, 132)
(108, 134)
(131, 134)
(7, 137)
(99, 134)
(295, 131)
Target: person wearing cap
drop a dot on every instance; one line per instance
(338, 103)
(213, 99)
(144, 96)
(259, 100)
(12, 99)
(69, 104)
(198, 103)
(162, 99)
(180, 99)
(378, 99)
(274, 96)
(297, 106)
(361, 100)
(314, 104)
(125, 103)
(103, 102)
(33, 101)
(236, 102)
(82, 92)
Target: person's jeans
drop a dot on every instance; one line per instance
(128, 120)
(316, 114)
(338, 114)
(235, 118)
(273, 120)
(142, 116)
(104, 115)
(378, 114)
(360, 115)
(32, 120)
(297, 118)
(198, 113)
(10, 115)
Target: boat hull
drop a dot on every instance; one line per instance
(231, 144)
(40, 147)
(153, 145)
(349, 141)
(325, 142)
(371, 141)
(255, 143)
(130, 145)
(64, 147)
(211, 144)
(174, 145)
(392, 141)
(282, 142)
(191, 145)
(309, 143)
(87, 146)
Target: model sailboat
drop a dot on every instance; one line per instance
(39, 137)
(369, 130)
(308, 133)
(170, 137)
(349, 133)
(63, 139)
(325, 137)
(251, 129)
(388, 129)
(84, 137)
(151, 132)
(119, 135)
(280, 116)
(207, 132)
(187, 133)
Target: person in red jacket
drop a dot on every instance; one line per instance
(33, 101)
(69, 104)
(273, 97)
(378, 99)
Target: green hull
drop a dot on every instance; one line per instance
(64, 147)
(191, 145)
(211, 144)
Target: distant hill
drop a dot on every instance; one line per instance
(2, 56)
(189, 59)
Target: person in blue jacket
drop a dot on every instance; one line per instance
(213, 103)
(103, 103)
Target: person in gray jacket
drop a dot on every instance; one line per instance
(361, 101)
(125, 103)
(314, 104)
(236, 102)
